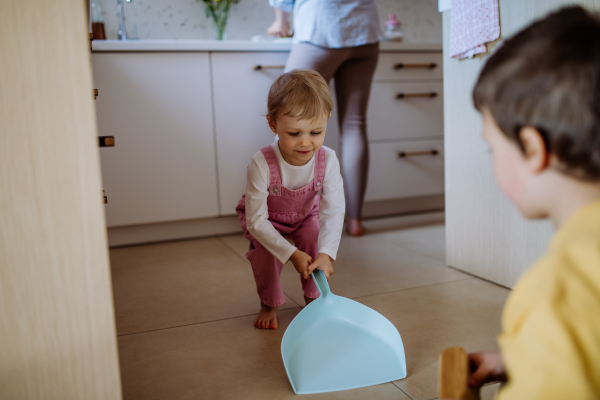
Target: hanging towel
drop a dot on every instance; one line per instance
(473, 23)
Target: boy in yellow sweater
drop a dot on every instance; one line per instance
(539, 96)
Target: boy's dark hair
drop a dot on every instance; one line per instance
(548, 77)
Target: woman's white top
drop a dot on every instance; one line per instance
(333, 23)
(332, 206)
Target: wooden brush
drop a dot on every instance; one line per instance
(454, 375)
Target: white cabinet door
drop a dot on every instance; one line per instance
(412, 173)
(240, 100)
(158, 108)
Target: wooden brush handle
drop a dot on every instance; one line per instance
(454, 375)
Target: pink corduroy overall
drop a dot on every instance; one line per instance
(295, 215)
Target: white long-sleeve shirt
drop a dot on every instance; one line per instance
(332, 204)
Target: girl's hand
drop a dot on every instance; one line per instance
(301, 262)
(323, 262)
(488, 367)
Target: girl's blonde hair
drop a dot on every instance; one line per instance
(300, 93)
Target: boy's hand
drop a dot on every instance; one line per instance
(487, 367)
(301, 262)
(323, 262)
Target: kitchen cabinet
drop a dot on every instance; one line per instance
(187, 121)
(158, 107)
(392, 116)
(409, 66)
(240, 101)
(406, 169)
(486, 236)
(406, 116)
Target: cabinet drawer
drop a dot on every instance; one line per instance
(390, 117)
(392, 176)
(409, 66)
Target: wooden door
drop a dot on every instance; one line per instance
(57, 327)
(485, 234)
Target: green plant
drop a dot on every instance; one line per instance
(219, 11)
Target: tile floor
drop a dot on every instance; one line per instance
(185, 311)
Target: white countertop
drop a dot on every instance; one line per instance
(232, 45)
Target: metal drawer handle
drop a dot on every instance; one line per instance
(426, 66)
(259, 67)
(407, 95)
(404, 154)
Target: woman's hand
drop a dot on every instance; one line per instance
(489, 367)
(301, 262)
(323, 262)
(281, 26)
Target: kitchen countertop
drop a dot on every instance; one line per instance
(232, 45)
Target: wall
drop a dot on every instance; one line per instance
(185, 19)
(485, 234)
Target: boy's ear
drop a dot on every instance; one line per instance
(536, 154)
(272, 124)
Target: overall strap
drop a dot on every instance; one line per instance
(320, 165)
(274, 175)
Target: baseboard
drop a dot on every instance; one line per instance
(173, 230)
(384, 208)
(219, 226)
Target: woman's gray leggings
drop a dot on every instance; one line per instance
(352, 69)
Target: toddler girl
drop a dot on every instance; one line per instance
(294, 191)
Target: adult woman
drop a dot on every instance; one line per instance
(340, 40)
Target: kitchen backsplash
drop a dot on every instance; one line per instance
(186, 19)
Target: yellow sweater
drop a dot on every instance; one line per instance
(551, 323)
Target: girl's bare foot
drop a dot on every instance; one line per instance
(355, 227)
(308, 300)
(267, 317)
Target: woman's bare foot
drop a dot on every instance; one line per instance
(267, 317)
(308, 300)
(355, 227)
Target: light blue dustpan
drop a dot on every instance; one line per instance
(337, 344)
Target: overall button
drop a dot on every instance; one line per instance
(318, 184)
(275, 190)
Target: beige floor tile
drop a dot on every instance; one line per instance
(397, 269)
(423, 233)
(218, 360)
(487, 392)
(173, 284)
(367, 266)
(238, 243)
(464, 313)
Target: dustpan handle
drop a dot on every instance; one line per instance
(321, 282)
